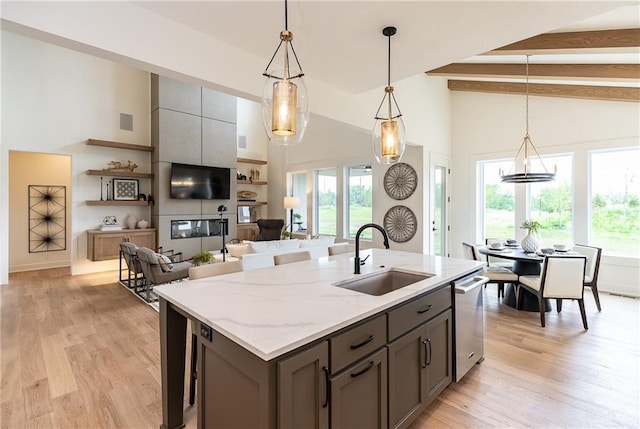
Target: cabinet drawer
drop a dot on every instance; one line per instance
(412, 314)
(357, 342)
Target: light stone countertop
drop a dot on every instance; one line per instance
(271, 311)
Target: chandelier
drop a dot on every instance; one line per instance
(527, 154)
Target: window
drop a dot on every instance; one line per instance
(552, 202)
(326, 201)
(360, 199)
(615, 201)
(498, 202)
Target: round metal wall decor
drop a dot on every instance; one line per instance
(400, 223)
(400, 181)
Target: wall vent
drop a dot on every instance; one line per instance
(126, 122)
(242, 142)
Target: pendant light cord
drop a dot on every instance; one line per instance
(286, 16)
(389, 62)
(527, 98)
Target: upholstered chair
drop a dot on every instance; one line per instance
(562, 277)
(338, 250)
(593, 255)
(270, 229)
(496, 274)
(159, 269)
(287, 258)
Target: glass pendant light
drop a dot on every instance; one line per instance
(285, 105)
(388, 138)
(524, 156)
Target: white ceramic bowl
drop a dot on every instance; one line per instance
(560, 246)
(496, 246)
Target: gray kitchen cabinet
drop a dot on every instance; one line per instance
(303, 390)
(420, 368)
(353, 378)
(359, 394)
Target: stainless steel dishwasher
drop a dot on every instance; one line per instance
(468, 324)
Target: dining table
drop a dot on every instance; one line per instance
(524, 264)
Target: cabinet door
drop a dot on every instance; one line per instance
(143, 239)
(407, 381)
(359, 394)
(303, 389)
(439, 354)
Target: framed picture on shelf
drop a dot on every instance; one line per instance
(125, 189)
(244, 215)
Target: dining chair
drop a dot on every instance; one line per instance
(562, 277)
(593, 255)
(201, 272)
(287, 258)
(496, 260)
(338, 250)
(495, 274)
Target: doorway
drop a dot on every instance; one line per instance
(439, 236)
(39, 211)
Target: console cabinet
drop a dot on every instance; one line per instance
(378, 373)
(105, 245)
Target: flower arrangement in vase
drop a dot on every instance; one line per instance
(529, 243)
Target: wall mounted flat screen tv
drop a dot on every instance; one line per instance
(200, 182)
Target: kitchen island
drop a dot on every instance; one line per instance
(284, 346)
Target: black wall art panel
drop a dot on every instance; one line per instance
(47, 218)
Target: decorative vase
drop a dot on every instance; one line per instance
(130, 222)
(143, 224)
(529, 243)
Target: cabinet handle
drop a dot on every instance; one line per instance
(357, 346)
(425, 309)
(429, 354)
(424, 346)
(356, 374)
(325, 404)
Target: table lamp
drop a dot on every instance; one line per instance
(291, 203)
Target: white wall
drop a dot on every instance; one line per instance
(53, 100)
(488, 126)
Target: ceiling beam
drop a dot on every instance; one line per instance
(624, 38)
(609, 93)
(590, 71)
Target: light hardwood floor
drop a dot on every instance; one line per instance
(83, 352)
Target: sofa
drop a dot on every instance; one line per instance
(259, 254)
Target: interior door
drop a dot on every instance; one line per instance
(440, 207)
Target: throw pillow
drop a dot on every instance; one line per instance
(237, 250)
(165, 263)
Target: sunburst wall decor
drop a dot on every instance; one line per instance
(47, 218)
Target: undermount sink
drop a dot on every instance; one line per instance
(381, 283)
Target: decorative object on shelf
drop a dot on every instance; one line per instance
(142, 197)
(143, 224)
(117, 165)
(125, 189)
(101, 187)
(108, 194)
(527, 149)
(529, 243)
(285, 105)
(47, 218)
(130, 222)
(110, 220)
(400, 181)
(388, 136)
(400, 223)
(150, 199)
(291, 203)
(247, 195)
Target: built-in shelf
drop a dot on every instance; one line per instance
(118, 145)
(120, 173)
(254, 182)
(252, 161)
(252, 203)
(116, 203)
